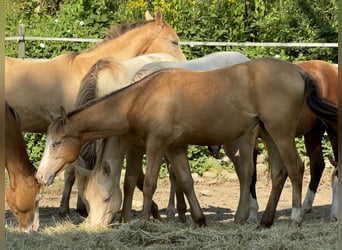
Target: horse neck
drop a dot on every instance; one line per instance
(20, 171)
(108, 118)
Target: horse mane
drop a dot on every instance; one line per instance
(87, 91)
(118, 30)
(112, 33)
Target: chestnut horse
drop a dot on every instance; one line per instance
(313, 128)
(23, 192)
(170, 109)
(114, 74)
(104, 179)
(32, 93)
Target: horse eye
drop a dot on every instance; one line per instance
(107, 200)
(56, 143)
(175, 42)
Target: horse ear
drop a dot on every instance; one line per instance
(53, 116)
(148, 16)
(63, 114)
(159, 17)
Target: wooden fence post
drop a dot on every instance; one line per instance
(21, 41)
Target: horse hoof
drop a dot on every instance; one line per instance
(63, 212)
(201, 222)
(252, 220)
(266, 224)
(306, 210)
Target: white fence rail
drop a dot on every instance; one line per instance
(22, 38)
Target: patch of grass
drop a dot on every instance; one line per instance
(314, 234)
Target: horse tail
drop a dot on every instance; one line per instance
(321, 107)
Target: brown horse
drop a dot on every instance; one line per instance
(32, 93)
(170, 109)
(103, 182)
(23, 192)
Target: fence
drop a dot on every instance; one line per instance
(21, 38)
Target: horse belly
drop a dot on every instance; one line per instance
(215, 128)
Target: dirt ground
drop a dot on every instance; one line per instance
(218, 194)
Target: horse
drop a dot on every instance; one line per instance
(113, 149)
(169, 109)
(313, 129)
(23, 192)
(117, 73)
(32, 93)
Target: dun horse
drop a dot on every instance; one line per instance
(23, 192)
(103, 183)
(32, 93)
(169, 110)
(108, 74)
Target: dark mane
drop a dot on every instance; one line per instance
(114, 32)
(118, 30)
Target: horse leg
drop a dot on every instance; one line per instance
(278, 176)
(232, 151)
(254, 207)
(185, 184)
(244, 170)
(313, 144)
(154, 156)
(134, 157)
(134, 177)
(140, 185)
(294, 167)
(175, 191)
(170, 209)
(69, 180)
(333, 137)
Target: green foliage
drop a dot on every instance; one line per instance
(35, 144)
(193, 20)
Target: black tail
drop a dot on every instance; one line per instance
(324, 109)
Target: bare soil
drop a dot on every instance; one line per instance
(217, 192)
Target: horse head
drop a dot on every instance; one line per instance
(163, 38)
(102, 197)
(24, 202)
(63, 145)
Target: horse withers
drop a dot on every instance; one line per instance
(169, 109)
(23, 192)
